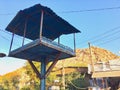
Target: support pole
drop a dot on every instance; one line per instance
(74, 42)
(59, 40)
(24, 32)
(106, 83)
(11, 42)
(41, 24)
(43, 71)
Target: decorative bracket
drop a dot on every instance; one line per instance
(47, 71)
(52, 65)
(35, 69)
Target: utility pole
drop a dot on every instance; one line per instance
(92, 63)
(91, 60)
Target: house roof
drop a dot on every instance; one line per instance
(53, 25)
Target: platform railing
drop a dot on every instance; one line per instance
(57, 44)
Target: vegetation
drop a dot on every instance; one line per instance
(10, 81)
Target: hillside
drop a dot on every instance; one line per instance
(82, 58)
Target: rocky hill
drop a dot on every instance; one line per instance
(83, 58)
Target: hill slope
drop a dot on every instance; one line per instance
(83, 57)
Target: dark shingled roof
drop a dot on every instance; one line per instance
(53, 25)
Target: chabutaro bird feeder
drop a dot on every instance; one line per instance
(41, 25)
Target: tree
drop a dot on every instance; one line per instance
(15, 82)
(76, 81)
(34, 82)
(6, 84)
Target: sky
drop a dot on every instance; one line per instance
(98, 21)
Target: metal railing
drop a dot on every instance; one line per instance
(57, 44)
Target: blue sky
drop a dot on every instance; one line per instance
(101, 28)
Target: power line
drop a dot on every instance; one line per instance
(4, 37)
(108, 41)
(9, 33)
(105, 36)
(5, 31)
(76, 86)
(73, 11)
(9, 38)
(102, 36)
(91, 10)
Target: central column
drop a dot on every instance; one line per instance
(43, 79)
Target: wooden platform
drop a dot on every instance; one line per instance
(42, 49)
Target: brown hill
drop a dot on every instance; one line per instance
(82, 58)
